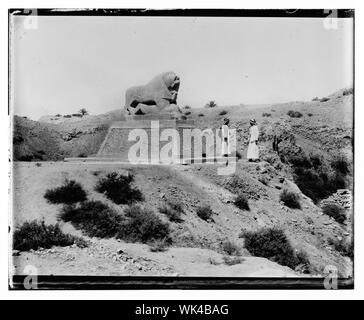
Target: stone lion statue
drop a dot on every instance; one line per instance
(158, 95)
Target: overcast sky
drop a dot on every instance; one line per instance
(73, 62)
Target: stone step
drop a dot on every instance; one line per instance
(209, 160)
(185, 161)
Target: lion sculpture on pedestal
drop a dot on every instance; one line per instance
(159, 95)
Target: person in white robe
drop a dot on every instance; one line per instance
(253, 149)
(225, 138)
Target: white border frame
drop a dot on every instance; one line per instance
(357, 293)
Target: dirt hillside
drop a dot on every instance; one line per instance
(324, 128)
(194, 239)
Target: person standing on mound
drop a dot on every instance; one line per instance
(253, 150)
(225, 138)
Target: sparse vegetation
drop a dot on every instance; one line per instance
(341, 164)
(67, 116)
(173, 210)
(37, 155)
(315, 160)
(230, 261)
(205, 212)
(158, 245)
(274, 245)
(314, 178)
(324, 99)
(294, 114)
(118, 188)
(317, 175)
(231, 248)
(211, 104)
(143, 225)
(186, 107)
(300, 161)
(316, 99)
(71, 192)
(317, 184)
(83, 112)
(17, 138)
(242, 202)
(36, 234)
(348, 92)
(290, 199)
(334, 211)
(344, 247)
(94, 218)
(238, 185)
(28, 158)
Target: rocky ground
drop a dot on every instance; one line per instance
(117, 258)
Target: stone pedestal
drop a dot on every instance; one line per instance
(158, 139)
(151, 135)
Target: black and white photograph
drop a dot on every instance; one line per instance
(181, 149)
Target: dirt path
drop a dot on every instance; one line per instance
(116, 258)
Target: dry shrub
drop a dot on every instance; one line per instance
(315, 179)
(173, 210)
(231, 248)
(118, 188)
(36, 234)
(71, 192)
(347, 92)
(294, 114)
(341, 165)
(205, 212)
(346, 248)
(324, 99)
(230, 261)
(334, 211)
(158, 245)
(242, 202)
(94, 218)
(273, 244)
(290, 199)
(143, 225)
